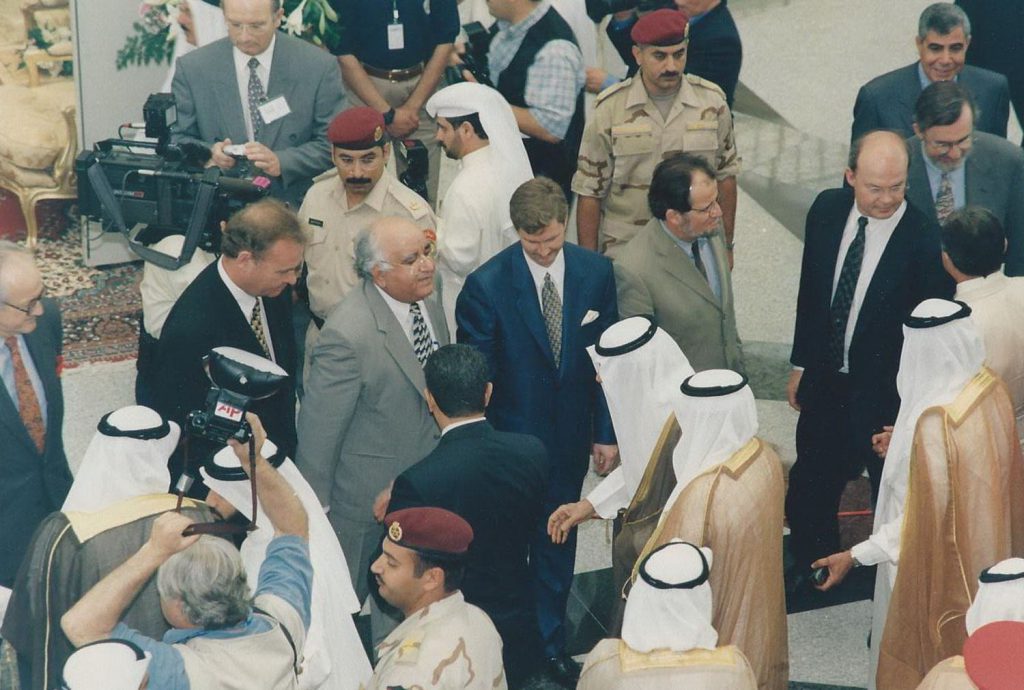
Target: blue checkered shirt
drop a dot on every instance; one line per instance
(553, 81)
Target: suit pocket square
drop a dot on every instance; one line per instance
(590, 316)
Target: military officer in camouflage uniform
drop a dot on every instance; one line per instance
(443, 642)
(640, 121)
(345, 200)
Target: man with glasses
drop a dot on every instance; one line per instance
(364, 417)
(34, 474)
(953, 165)
(676, 269)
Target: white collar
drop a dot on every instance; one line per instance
(245, 301)
(464, 422)
(265, 58)
(556, 269)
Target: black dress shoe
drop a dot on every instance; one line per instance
(563, 670)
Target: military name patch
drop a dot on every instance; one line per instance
(316, 221)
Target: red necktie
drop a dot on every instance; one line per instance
(28, 404)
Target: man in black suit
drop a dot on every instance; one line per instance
(495, 481)
(34, 474)
(943, 36)
(996, 44)
(869, 259)
(242, 300)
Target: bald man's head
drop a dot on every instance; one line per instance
(878, 173)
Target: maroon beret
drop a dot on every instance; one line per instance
(357, 128)
(429, 531)
(660, 28)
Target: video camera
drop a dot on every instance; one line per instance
(599, 9)
(474, 60)
(146, 189)
(237, 378)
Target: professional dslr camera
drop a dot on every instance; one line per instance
(474, 60)
(237, 378)
(417, 165)
(148, 190)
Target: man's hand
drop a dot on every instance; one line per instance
(880, 441)
(218, 157)
(166, 539)
(606, 458)
(568, 516)
(792, 386)
(263, 158)
(259, 436)
(595, 79)
(839, 566)
(405, 123)
(380, 504)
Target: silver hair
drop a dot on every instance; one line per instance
(943, 18)
(209, 580)
(368, 253)
(8, 250)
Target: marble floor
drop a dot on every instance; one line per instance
(803, 63)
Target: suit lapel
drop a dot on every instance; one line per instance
(977, 182)
(395, 340)
(717, 244)
(573, 308)
(918, 185)
(10, 418)
(675, 261)
(436, 313)
(281, 83)
(529, 305)
(888, 273)
(230, 311)
(911, 89)
(229, 101)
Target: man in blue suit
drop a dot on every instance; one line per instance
(533, 309)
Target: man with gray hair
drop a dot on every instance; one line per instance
(34, 474)
(943, 36)
(222, 635)
(364, 418)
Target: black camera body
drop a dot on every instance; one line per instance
(474, 60)
(417, 168)
(222, 418)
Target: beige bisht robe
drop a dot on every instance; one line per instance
(636, 523)
(612, 665)
(735, 509)
(963, 513)
(951, 674)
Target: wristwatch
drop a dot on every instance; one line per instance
(389, 117)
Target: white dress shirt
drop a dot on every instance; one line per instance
(404, 316)
(876, 238)
(557, 271)
(246, 302)
(242, 75)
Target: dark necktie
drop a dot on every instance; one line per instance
(551, 306)
(256, 321)
(945, 202)
(28, 404)
(697, 260)
(843, 299)
(422, 343)
(256, 97)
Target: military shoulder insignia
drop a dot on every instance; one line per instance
(315, 221)
(614, 88)
(395, 532)
(701, 81)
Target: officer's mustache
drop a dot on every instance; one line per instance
(358, 180)
(669, 75)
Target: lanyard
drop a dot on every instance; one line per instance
(394, 11)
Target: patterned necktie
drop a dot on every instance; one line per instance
(552, 309)
(28, 404)
(256, 97)
(843, 299)
(422, 343)
(945, 203)
(698, 261)
(257, 328)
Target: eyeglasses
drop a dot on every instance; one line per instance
(707, 210)
(944, 147)
(31, 306)
(411, 261)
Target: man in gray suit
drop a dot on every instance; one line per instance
(676, 269)
(943, 36)
(260, 88)
(952, 165)
(34, 474)
(364, 419)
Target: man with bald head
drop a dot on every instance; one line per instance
(364, 418)
(34, 474)
(869, 258)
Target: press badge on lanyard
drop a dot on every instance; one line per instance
(396, 32)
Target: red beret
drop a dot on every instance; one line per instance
(429, 530)
(660, 28)
(357, 128)
(994, 656)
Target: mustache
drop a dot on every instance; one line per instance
(667, 75)
(357, 180)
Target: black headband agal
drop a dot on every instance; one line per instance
(932, 321)
(634, 344)
(152, 433)
(237, 474)
(987, 577)
(711, 391)
(690, 584)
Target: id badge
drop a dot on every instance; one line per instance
(396, 36)
(274, 109)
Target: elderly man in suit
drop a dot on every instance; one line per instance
(533, 309)
(243, 300)
(496, 481)
(365, 418)
(273, 93)
(951, 166)
(34, 474)
(869, 259)
(943, 35)
(676, 269)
